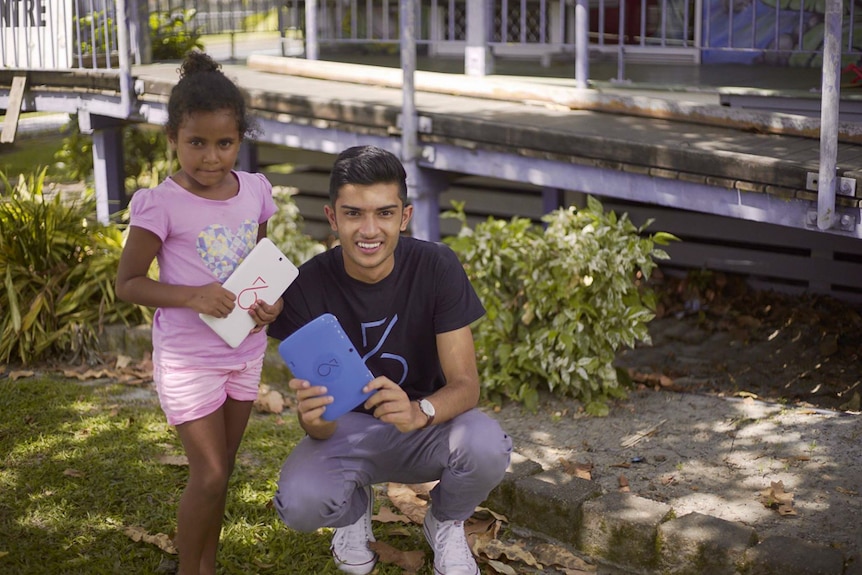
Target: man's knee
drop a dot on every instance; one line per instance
(300, 508)
(479, 445)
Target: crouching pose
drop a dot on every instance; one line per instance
(407, 305)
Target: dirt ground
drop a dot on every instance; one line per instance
(738, 391)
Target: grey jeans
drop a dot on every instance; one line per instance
(321, 481)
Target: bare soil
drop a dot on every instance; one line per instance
(739, 390)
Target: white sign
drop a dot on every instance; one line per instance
(36, 34)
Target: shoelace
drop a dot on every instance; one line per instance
(452, 543)
(353, 536)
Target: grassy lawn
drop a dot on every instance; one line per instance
(28, 155)
(79, 463)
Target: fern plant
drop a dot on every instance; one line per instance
(560, 300)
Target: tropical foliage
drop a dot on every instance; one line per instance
(561, 300)
(58, 267)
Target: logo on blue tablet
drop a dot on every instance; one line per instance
(328, 367)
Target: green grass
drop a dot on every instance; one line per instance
(26, 155)
(79, 462)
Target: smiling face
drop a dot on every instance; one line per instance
(368, 220)
(207, 145)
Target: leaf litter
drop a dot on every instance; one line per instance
(483, 530)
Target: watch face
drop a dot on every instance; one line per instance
(427, 407)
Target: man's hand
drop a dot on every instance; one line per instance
(390, 404)
(311, 402)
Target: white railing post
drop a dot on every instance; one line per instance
(478, 60)
(582, 43)
(311, 42)
(830, 100)
(123, 52)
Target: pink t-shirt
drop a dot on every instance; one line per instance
(202, 241)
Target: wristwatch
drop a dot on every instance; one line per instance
(427, 408)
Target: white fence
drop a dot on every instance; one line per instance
(84, 33)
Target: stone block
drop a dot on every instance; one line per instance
(697, 544)
(853, 565)
(622, 529)
(502, 497)
(550, 503)
(791, 556)
(134, 341)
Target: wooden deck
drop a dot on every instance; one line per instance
(540, 144)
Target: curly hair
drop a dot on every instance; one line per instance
(203, 87)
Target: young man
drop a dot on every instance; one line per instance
(407, 305)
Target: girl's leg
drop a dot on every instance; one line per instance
(202, 504)
(235, 415)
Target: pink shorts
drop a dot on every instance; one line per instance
(189, 393)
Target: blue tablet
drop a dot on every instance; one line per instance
(321, 353)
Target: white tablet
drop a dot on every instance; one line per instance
(263, 275)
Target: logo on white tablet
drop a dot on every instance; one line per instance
(249, 295)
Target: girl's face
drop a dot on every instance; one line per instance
(207, 145)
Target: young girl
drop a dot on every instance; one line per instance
(200, 223)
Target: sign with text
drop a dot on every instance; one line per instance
(36, 34)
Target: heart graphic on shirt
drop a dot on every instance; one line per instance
(222, 249)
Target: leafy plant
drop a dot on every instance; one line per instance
(145, 157)
(58, 268)
(285, 229)
(76, 153)
(560, 301)
(173, 35)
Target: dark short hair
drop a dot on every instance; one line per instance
(203, 87)
(367, 165)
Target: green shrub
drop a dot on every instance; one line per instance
(58, 268)
(560, 301)
(145, 155)
(173, 35)
(285, 229)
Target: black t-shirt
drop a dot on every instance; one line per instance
(392, 323)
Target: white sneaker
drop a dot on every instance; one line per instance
(350, 544)
(452, 555)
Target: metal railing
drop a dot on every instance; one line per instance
(83, 33)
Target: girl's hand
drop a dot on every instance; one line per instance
(212, 299)
(264, 314)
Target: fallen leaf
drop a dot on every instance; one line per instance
(406, 501)
(3, 553)
(178, 460)
(624, 464)
(774, 497)
(423, 489)
(410, 561)
(20, 374)
(494, 514)
(846, 491)
(386, 515)
(73, 473)
(576, 469)
(548, 554)
(269, 400)
(123, 361)
(160, 540)
(480, 529)
(624, 484)
(511, 551)
(499, 567)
